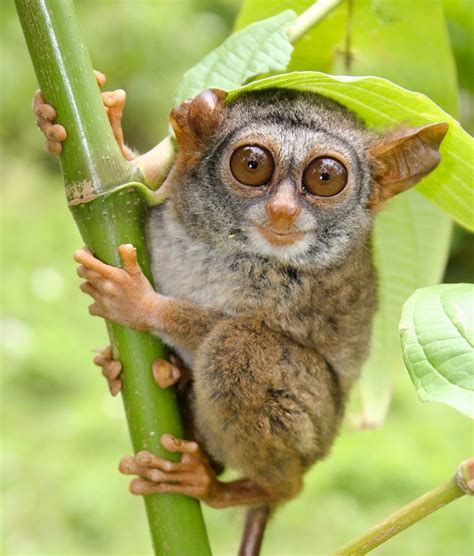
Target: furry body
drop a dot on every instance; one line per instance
(289, 330)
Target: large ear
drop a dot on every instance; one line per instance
(403, 157)
(196, 119)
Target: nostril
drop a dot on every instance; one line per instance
(282, 210)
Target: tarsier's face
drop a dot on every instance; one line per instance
(286, 176)
(299, 193)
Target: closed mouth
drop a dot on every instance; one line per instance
(279, 238)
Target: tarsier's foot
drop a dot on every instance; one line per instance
(192, 476)
(166, 374)
(114, 102)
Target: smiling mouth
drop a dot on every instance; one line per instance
(279, 238)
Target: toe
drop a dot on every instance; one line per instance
(173, 444)
(165, 374)
(56, 133)
(115, 386)
(111, 369)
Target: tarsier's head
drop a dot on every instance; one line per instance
(289, 176)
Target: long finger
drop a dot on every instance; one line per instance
(100, 77)
(88, 274)
(128, 255)
(56, 133)
(89, 289)
(105, 352)
(44, 125)
(147, 459)
(41, 109)
(115, 386)
(89, 261)
(173, 444)
(164, 373)
(106, 363)
(143, 487)
(96, 311)
(108, 352)
(113, 99)
(53, 147)
(111, 369)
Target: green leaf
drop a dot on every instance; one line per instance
(437, 335)
(410, 244)
(259, 48)
(316, 50)
(383, 104)
(380, 39)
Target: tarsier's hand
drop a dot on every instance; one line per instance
(55, 134)
(122, 295)
(165, 373)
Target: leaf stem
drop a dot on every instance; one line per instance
(309, 18)
(155, 164)
(462, 483)
(348, 38)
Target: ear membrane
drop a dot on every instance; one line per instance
(196, 119)
(403, 157)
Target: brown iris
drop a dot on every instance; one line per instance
(325, 177)
(252, 165)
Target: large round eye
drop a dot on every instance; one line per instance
(325, 177)
(252, 165)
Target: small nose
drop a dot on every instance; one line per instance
(282, 212)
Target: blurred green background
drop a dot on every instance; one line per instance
(63, 434)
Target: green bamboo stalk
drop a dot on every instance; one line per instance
(109, 211)
(462, 483)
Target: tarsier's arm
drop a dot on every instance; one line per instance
(124, 295)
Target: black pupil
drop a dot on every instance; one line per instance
(325, 176)
(252, 164)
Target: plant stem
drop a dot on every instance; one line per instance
(110, 211)
(309, 18)
(459, 485)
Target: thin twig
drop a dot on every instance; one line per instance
(348, 38)
(309, 18)
(462, 483)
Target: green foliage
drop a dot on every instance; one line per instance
(461, 30)
(437, 335)
(380, 38)
(259, 48)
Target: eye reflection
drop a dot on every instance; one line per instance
(252, 165)
(325, 177)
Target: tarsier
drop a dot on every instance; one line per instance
(262, 258)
